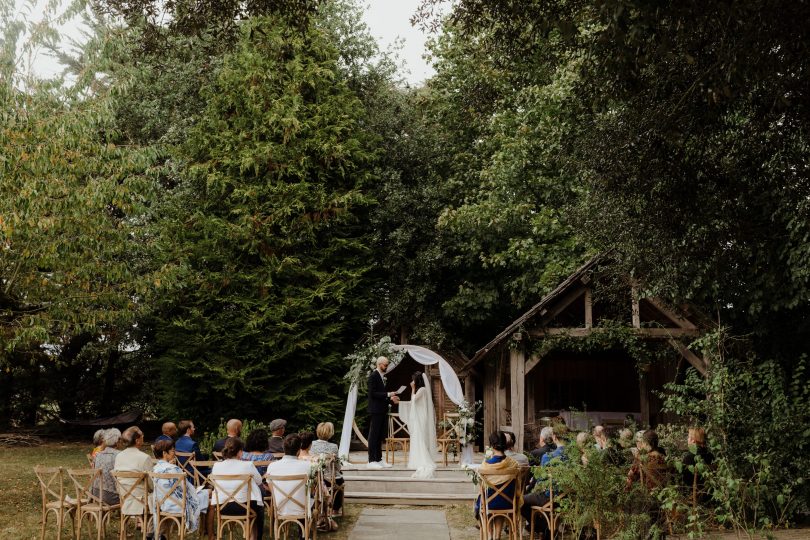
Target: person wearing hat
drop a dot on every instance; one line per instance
(277, 428)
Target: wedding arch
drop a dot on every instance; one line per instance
(426, 357)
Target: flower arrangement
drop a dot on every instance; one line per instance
(472, 473)
(467, 427)
(363, 359)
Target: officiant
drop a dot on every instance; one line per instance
(378, 400)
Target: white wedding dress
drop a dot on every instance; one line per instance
(419, 416)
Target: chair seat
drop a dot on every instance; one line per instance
(57, 505)
(95, 507)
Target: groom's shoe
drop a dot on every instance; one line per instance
(385, 464)
(375, 465)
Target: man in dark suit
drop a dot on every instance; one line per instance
(378, 399)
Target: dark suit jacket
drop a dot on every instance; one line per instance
(377, 394)
(275, 445)
(187, 444)
(220, 444)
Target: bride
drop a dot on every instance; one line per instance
(419, 416)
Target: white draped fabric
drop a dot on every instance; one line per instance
(426, 357)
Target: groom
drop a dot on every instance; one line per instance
(378, 411)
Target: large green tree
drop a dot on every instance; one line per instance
(260, 250)
(69, 205)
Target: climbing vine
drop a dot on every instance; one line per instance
(610, 334)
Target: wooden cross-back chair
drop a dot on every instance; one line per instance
(398, 436)
(302, 517)
(333, 490)
(547, 511)
(493, 519)
(132, 485)
(89, 505)
(163, 495)
(448, 439)
(217, 456)
(91, 460)
(54, 499)
(181, 459)
(225, 495)
(199, 471)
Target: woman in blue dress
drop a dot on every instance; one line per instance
(196, 502)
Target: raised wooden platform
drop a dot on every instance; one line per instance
(396, 486)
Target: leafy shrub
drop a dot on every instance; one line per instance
(207, 442)
(756, 415)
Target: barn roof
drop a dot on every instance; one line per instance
(581, 275)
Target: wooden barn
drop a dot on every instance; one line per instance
(561, 358)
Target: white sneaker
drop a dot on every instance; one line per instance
(385, 464)
(375, 465)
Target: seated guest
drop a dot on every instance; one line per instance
(541, 495)
(256, 449)
(234, 429)
(620, 454)
(232, 464)
(583, 440)
(196, 502)
(290, 465)
(696, 440)
(544, 445)
(132, 459)
(500, 463)
(105, 460)
(325, 431)
(277, 428)
(306, 443)
(650, 463)
(98, 443)
(558, 436)
(519, 457)
(169, 432)
(600, 438)
(186, 444)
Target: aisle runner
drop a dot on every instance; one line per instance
(393, 524)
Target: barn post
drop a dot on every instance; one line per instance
(517, 372)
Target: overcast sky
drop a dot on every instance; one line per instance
(388, 20)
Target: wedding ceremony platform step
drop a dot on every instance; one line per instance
(396, 486)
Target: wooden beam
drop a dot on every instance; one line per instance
(517, 372)
(588, 308)
(490, 404)
(696, 361)
(636, 309)
(530, 402)
(644, 399)
(652, 333)
(562, 303)
(469, 388)
(671, 315)
(532, 362)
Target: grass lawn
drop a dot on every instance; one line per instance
(20, 510)
(19, 491)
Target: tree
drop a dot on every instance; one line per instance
(261, 255)
(692, 156)
(69, 202)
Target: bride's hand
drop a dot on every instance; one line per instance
(413, 386)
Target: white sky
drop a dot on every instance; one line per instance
(388, 20)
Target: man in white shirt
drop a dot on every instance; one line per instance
(289, 465)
